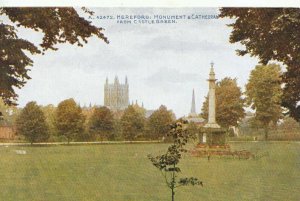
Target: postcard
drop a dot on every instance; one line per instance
(124, 103)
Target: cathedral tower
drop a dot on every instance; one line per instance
(116, 95)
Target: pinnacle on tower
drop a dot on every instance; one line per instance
(126, 81)
(106, 82)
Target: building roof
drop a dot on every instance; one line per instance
(197, 120)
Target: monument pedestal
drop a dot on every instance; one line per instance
(212, 136)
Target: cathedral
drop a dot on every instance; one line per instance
(116, 95)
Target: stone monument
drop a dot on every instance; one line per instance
(212, 100)
(212, 133)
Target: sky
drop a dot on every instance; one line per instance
(164, 62)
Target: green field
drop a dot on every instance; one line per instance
(123, 172)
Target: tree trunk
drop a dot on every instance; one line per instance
(266, 133)
(173, 193)
(173, 183)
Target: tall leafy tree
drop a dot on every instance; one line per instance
(59, 25)
(101, 123)
(69, 119)
(32, 124)
(264, 93)
(271, 34)
(49, 112)
(133, 123)
(159, 122)
(229, 103)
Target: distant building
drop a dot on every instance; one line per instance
(149, 113)
(193, 117)
(116, 95)
(7, 132)
(193, 107)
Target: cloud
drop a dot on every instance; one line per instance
(166, 76)
(166, 43)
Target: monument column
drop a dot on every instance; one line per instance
(212, 100)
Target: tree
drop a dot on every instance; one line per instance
(59, 25)
(132, 123)
(69, 119)
(168, 163)
(159, 122)
(272, 34)
(264, 93)
(229, 103)
(49, 112)
(102, 123)
(139, 109)
(8, 114)
(31, 123)
(289, 124)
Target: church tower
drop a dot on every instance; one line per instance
(193, 107)
(116, 95)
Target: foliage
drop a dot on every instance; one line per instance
(290, 124)
(139, 109)
(59, 25)
(229, 103)
(102, 123)
(271, 34)
(264, 93)
(192, 128)
(159, 122)
(8, 114)
(49, 112)
(167, 163)
(69, 119)
(117, 132)
(32, 124)
(132, 123)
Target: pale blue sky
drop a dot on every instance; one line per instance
(163, 62)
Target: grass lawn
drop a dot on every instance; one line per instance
(123, 172)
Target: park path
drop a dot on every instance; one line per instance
(76, 143)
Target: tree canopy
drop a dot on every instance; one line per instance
(58, 25)
(264, 94)
(69, 119)
(159, 122)
(49, 112)
(133, 123)
(102, 122)
(271, 34)
(229, 103)
(31, 123)
(8, 114)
